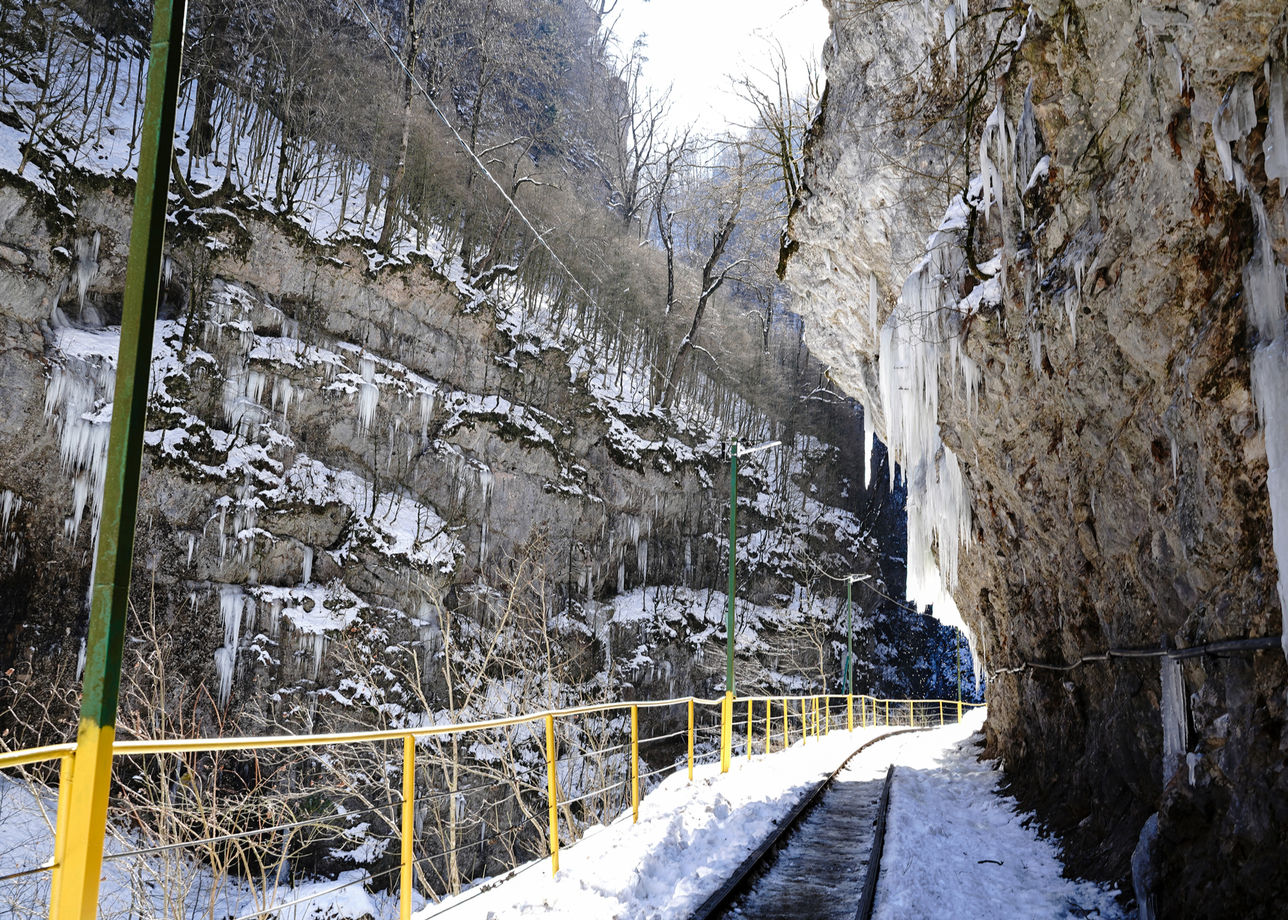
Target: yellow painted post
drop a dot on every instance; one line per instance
(552, 794)
(66, 768)
(849, 712)
(910, 720)
(804, 721)
(726, 731)
(887, 702)
(959, 710)
(635, 763)
(690, 739)
(941, 712)
(787, 732)
(769, 728)
(408, 825)
(750, 724)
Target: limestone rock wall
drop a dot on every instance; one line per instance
(1115, 468)
(341, 461)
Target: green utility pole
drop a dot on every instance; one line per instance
(726, 712)
(75, 895)
(849, 637)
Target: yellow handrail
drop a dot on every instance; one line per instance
(815, 715)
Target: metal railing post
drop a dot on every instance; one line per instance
(750, 724)
(552, 794)
(769, 722)
(635, 763)
(887, 708)
(66, 768)
(959, 710)
(849, 712)
(941, 712)
(408, 826)
(787, 731)
(690, 739)
(726, 731)
(911, 723)
(804, 720)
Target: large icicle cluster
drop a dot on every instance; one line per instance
(1265, 287)
(919, 334)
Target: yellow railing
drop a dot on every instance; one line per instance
(770, 722)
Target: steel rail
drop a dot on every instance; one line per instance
(739, 879)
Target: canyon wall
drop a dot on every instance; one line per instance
(1044, 245)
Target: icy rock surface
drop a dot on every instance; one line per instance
(1101, 349)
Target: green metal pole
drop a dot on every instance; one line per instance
(77, 895)
(849, 637)
(733, 560)
(726, 708)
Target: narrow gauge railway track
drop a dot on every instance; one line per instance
(815, 864)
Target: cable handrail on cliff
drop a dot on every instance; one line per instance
(1218, 647)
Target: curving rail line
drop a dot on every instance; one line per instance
(809, 866)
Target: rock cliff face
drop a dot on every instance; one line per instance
(341, 461)
(1046, 252)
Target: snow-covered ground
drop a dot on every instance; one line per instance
(946, 815)
(955, 847)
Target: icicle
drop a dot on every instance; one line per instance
(869, 437)
(282, 393)
(426, 399)
(1265, 287)
(1071, 311)
(1235, 118)
(79, 396)
(1175, 719)
(1275, 145)
(950, 33)
(86, 266)
(485, 486)
(873, 302)
(1035, 350)
(368, 395)
(10, 505)
(192, 545)
(306, 575)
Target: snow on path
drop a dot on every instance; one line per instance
(688, 840)
(945, 816)
(955, 847)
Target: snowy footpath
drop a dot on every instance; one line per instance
(954, 846)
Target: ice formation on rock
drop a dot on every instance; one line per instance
(79, 399)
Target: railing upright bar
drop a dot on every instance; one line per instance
(769, 723)
(751, 723)
(690, 739)
(66, 769)
(552, 794)
(635, 763)
(408, 826)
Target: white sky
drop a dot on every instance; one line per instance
(693, 45)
